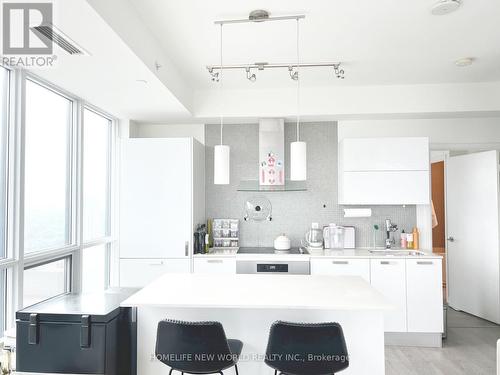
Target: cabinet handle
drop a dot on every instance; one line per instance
(385, 262)
(340, 262)
(159, 263)
(425, 262)
(215, 261)
(186, 248)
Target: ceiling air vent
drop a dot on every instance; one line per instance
(51, 33)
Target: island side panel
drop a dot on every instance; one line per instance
(363, 330)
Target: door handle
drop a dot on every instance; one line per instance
(451, 239)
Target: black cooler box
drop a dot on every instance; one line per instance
(77, 334)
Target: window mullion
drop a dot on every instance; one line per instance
(76, 263)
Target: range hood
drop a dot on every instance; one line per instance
(272, 165)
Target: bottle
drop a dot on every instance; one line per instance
(210, 233)
(416, 236)
(403, 239)
(196, 244)
(409, 240)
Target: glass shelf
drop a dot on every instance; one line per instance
(253, 185)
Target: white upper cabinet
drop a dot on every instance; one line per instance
(384, 171)
(385, 154)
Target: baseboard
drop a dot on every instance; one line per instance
(428, 340)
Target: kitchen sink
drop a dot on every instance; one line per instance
(397, 252)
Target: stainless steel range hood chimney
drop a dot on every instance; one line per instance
(272, 164)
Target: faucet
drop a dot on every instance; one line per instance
(389, 227)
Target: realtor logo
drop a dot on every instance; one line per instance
(19, 23)
(24, 26)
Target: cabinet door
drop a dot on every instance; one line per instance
(385, 154)
(341, 266)
(389, 278)
(140, 272)
(215, 265)
(155, 198)
(402, 187)
(424, 290)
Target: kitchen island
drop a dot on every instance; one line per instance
(247, 305)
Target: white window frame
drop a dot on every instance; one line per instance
(16, 261)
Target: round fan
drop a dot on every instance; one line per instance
(258, 208)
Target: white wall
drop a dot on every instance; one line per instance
(444, 134)
(341, 102)
(197, 131)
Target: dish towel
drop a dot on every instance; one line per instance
(434, 217)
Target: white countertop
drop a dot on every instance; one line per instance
(259, 292)
(327, 253)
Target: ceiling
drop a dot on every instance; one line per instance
(384, 42)
(111, 77)
(398, 58)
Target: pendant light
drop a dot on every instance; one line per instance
(298, 149)
(221, 151)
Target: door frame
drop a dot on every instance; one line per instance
(437, 156)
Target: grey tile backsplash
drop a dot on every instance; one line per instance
(293, 212)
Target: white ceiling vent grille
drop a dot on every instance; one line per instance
(51, 33)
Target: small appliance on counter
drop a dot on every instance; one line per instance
(313, 240)
(333, 235)
(77, 334)
(349, 237)
(282, 243)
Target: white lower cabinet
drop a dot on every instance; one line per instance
(341, 266)
(140, 272)
(389, 278)
(424, 295)
(215, 265)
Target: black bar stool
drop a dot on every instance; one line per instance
(196, 347)
(306, 349)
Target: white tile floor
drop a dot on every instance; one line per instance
(470, 348)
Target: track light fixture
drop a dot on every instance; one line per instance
(260, 15)
(293, 68)
(339, 72)
(214, 75)
(251, 76)
(293, 74)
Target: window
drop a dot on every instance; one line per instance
(94, 268)
(45, 281)
(96, 175)
(47, 169)
(4, 126)
(4, 122)
(66, 175)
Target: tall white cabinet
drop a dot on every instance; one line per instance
(162, 199)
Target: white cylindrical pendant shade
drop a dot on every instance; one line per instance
(298, 161)
(221, 164)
